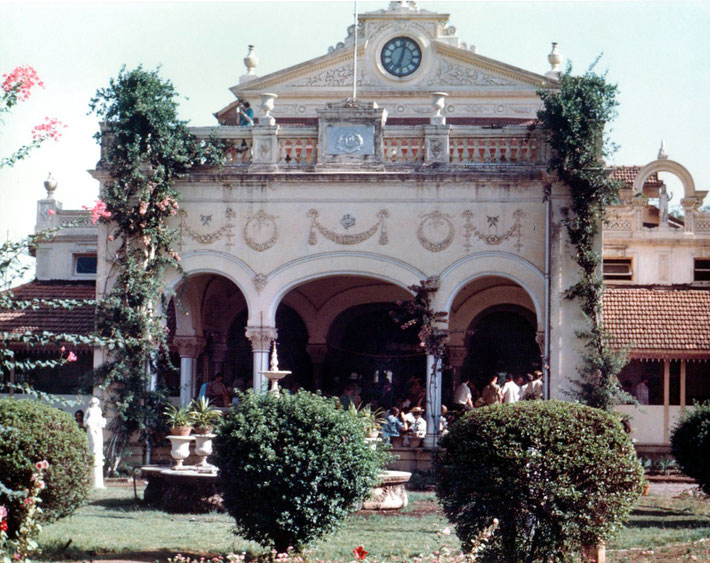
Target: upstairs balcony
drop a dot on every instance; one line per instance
(296, 147)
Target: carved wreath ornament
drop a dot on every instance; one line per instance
(347, 239)
(439, 225)
(260, 231)
(350, 142)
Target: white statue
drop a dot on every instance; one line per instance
(663, 198)
(94, 422)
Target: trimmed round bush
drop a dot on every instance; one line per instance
(690, 445)
(293, 466)
(31, 431)
(556, 475)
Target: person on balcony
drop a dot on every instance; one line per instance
(245, 114)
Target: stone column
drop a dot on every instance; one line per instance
(261, 339)
(433, 401)
(219, 353)
(190, 348)
(457, 355)
(317, 353)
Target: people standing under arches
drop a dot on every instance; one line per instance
(511, 390)
(491, 394)
(218, 393)
(463, 396)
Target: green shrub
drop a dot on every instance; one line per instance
(690, 445)
(32, 432)
(291, 467)
(556, 475)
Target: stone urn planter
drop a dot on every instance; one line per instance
(203, 448)
(180, 450)
(390, 493)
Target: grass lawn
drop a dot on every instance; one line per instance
(113, 525)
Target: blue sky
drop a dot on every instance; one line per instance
(656, 51)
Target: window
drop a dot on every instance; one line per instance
(617, 269)
(702, 269)
(85, 264)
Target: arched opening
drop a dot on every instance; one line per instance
(352, 338)
(368, 349)
(494, 326)
(501, 341)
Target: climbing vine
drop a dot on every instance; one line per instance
(146, 149)
(573, 120)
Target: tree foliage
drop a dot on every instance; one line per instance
(573, 120)
(293, 466)
(146, 149)
(556, 475)
(690, 445)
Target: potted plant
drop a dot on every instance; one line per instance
(371, 419)
(203, 416)
(178, 419)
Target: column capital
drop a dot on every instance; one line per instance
(317, 352)
(457, 354)
(261, 337)
(189, 346)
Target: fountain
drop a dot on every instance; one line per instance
(274, 374)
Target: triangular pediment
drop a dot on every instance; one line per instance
(471, 81)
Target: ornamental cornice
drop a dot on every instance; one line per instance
(189, 346)
(261, 337)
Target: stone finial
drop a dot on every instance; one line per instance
(662, 154)
(50, 184)
(400, 5)
(250, 61)
(555, 59)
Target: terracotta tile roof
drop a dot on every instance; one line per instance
(659, 322)
(75, 321)
(627, 174)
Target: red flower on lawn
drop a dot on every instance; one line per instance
(360, 552)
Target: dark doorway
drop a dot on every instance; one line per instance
(502, 340)
(364, 344)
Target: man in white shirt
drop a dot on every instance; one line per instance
(419, 425)
(463, 398)
(511, 391)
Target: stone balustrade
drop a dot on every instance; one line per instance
(405, 146)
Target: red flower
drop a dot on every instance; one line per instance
(48, 130)
(3, 525)
(21, 80)
(360, 552)
(98, 211)
(51, 212)
(72, 357)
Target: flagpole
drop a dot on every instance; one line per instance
(355, 56)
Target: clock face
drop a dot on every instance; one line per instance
(401, 56)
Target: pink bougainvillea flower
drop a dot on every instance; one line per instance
(98, 211)
(360, 552)
(3, 512)
(50, 129)
(22, 79)
(72, 357)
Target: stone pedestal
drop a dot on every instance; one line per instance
(181, 492)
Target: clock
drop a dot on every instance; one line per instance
(401, 56)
